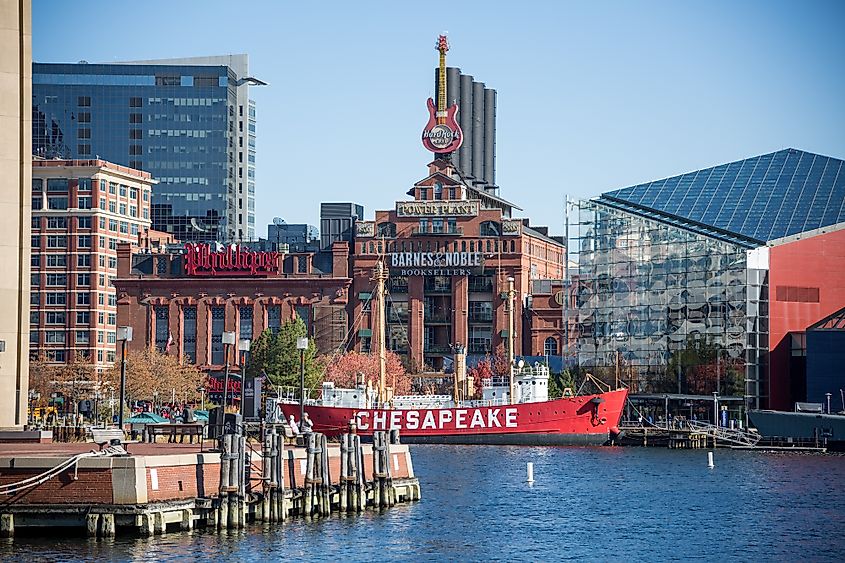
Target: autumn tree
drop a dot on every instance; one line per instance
(479, 372)
(150, 373)
(343, 369)
(277, 356)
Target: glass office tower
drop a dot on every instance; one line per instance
(188, 122)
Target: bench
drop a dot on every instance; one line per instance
(109, 437)
(171, 430)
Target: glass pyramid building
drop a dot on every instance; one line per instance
(758, 199)
(672, 282)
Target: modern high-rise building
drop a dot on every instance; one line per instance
(476, 159)
(708, 281)
(15, 159)
(337, 222)
(189, 122)
(81, 211)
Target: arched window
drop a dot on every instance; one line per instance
(550, 347)
(438, 190)
(490, 229)
(387, 229)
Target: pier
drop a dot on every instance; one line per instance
(156, 488)
(699, 435)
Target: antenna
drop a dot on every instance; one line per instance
(278, 221)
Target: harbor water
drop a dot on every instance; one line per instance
(585, 503)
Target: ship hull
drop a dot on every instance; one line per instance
(582, 420)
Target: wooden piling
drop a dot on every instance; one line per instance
(92, 522)
(107, 528)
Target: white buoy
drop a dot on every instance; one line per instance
(710, 460)
(530, 472)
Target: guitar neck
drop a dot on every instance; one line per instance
(441, 97)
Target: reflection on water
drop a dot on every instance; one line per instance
(594, 503)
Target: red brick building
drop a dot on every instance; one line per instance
(450, 251)
(182, 301)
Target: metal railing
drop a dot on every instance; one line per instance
(732, 436)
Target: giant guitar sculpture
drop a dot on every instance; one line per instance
(442, 134)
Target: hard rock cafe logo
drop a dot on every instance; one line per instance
(200, 260)
(440, 136)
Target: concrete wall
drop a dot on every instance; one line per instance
(806, 284)
(15, 189)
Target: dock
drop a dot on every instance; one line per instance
(700, 435)
(157, 488)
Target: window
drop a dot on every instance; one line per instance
(135, 150)
(59, 203)
(82, 337)
(35, 222)
(100, 296)
(35, 299)
(112, 244)
(112, 224)
(57, 185)
(438, 190)
(101, 318)
(103, 203)
(111, 337)
(112, 207)
(83, 117)
(102, 242)
(110, 354)
(83, 133)
(35, 260)
(423, 193)
(113, 262)
(35, 241)
(83, 222)
(56, 298)
(33, 317)
(162, 330)
(112, 318)
(57, 222)
(102, 223)
(133, 193)
(101, 337)
(113, 188)
(124, 227)
(83, 149)
(146, 195)
(189, 333)
(83, 260)
(133, 229)
(302, 264)
(135, 118)
(57, 280)
(245, 314)
(135, 102)
(84, 241)
(122, 190)
(83, 298)
(112, 299)
(135, 134)
(35, 279)
(123, 209)
(56, 260)
(274, 319)
(133, 210)
(83, 101)
(304, 313)
(37, 203)
(99, 355)
(83, 279)
(83, 317)
(102, 280)
(83, 185)
(84, 203)
(550, 347)
(54, 337)
(218, 315)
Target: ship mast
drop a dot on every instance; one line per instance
(380, 277)
(511, 294)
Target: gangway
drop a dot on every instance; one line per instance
(732, 436)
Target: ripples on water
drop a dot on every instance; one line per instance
(587, 503)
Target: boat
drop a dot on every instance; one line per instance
(808, 423)
(513, 410)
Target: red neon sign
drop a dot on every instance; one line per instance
(233, 261)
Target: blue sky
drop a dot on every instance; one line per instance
(592, 96)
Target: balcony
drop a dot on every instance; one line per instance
(437, 317)
(437, 230)
(437, 348)
(481, 316)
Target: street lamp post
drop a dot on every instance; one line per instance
(302, 345)
(243, 349)
(228, 339)
(124, 334)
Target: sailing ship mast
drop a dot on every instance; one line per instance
(380, 278)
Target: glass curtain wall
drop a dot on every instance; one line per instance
(668, 309)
